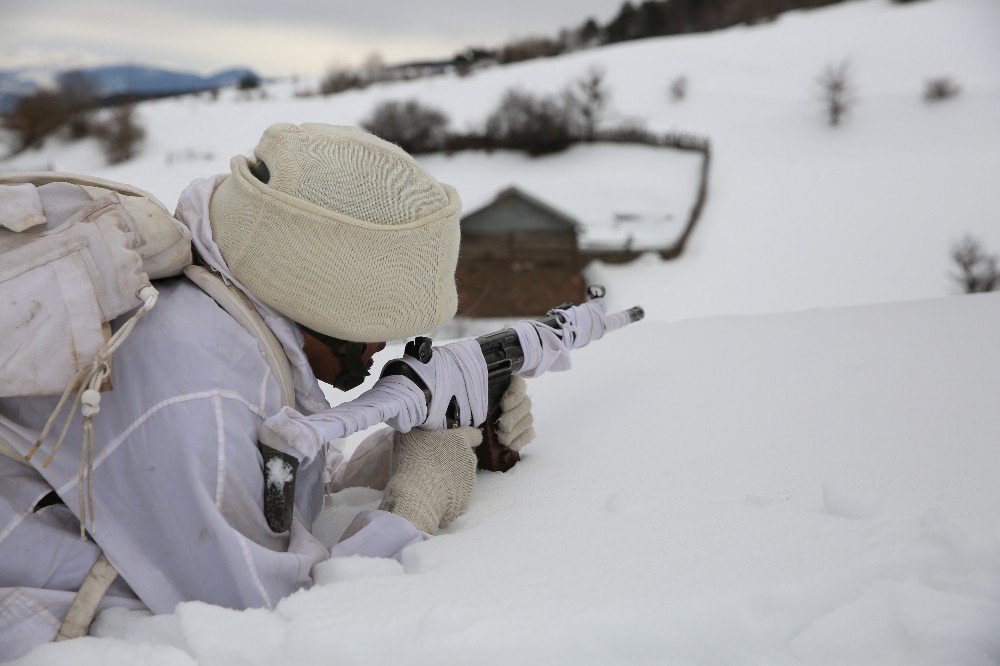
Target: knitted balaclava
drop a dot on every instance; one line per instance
(348, 235)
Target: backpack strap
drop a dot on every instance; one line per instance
(84, 607)
(45, 177)
(279, 499)
(234, 302)
(8, 451)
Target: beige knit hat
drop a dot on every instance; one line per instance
(349, 236)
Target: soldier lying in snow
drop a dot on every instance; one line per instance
(328, 230)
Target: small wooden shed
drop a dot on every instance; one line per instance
(519, 257)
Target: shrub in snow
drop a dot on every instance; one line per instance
(528, 49)
(678, 89)
(414, 127)
(978, 271)
(630, 130)
(79, 99)
(589, 97)
(248, 82)
(34, 117)
(338, 79)
(120, 135)
(534, 124)
(837, 91)
(939, 89)
(41, 113)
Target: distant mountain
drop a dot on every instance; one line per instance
(117, 81)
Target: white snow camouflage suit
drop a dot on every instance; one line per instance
(177, 473)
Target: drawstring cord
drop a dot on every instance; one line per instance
(86, 384)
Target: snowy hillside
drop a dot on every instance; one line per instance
(810, 488)
(776, 467)
(799, 215)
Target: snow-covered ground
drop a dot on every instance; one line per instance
(809, 488)
(812, 487)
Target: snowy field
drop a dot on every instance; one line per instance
(810, 488)
(793, 460)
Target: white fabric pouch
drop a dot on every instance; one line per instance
(20, 207)
(60, 284)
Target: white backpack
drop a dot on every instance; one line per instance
(75, 253)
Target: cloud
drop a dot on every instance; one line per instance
(279, 36)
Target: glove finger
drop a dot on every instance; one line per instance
(513, 416)
(515, 393)
(522, 439)
(470, 437)
(515, 430)
(463, 466)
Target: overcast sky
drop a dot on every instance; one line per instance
(274, 36)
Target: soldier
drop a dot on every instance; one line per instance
(334, 241)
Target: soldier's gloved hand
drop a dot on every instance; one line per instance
(515, 425)
(431, 475)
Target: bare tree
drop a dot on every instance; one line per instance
(837, 91)
(373, 62)
(338, 78)
(372, 68)
(978, 271)
(120, 135)
(590, 96)
(34, 117)
(536, 125)
(79, 98)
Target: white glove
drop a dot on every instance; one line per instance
(431, 475)
(515, 425)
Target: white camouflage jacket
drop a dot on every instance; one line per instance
(177, 481)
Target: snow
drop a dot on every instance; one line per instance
(805, 488)
(340, 569)
(279, 473)
(793, 460)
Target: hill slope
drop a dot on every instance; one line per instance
(788, 489)
(798, 488)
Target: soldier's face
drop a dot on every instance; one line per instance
(328, 363)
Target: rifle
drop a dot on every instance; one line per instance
(460, 383)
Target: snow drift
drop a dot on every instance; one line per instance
(806, 488)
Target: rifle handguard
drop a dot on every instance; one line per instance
(504, 357)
